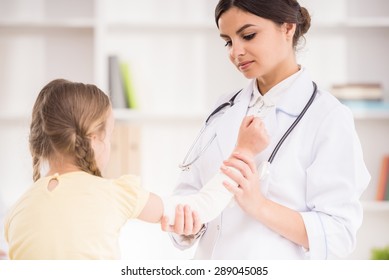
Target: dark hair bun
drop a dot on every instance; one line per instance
(305, 21)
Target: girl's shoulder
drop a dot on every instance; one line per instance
(130, 184)
(131, 195)
(85, 179)
(127, 180)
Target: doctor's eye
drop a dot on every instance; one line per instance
(228, 44)
(249, 37)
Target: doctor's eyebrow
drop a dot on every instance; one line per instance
(237, 32)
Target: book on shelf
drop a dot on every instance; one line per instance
(128, 85)
(387, 190)
(383, 180)
(370, 105)
(361, 91)
(121, 90)
(115, 83)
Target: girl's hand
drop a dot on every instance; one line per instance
(186, 222)
(247, 194)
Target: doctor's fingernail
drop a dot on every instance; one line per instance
(226, 169)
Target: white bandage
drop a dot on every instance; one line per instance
(209, 202)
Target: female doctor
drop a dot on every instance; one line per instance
(307, 205)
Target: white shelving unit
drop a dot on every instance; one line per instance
(179, 68)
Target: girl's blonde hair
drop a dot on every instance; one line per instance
(64, 117)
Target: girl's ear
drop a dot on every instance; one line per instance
(95, 143)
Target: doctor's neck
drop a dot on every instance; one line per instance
(268, 81)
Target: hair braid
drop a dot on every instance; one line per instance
(40, 146)
(36, 168)
(85, 157)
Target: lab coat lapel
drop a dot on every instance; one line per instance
(228, 128)
(296, 97)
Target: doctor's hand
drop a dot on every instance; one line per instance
(253, 137)
(247, 193)
(3, 255)
(186, 222)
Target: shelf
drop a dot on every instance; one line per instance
(370, 110)
(133, 116)
(48, 24)
(369, 114)
(367, 22)
(382, 22)
(376, 206)
(156, 27)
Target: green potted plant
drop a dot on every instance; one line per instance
(380, 253)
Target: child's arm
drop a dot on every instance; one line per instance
(210, 201)
(153, 210)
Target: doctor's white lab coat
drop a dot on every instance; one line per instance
(319, 171)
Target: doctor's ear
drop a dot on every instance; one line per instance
(288, 29)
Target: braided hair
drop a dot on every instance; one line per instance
(64, 117)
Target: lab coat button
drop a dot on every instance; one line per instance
(218, 227)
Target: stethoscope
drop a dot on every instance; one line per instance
(264, 167)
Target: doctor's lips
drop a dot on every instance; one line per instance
(244, 65)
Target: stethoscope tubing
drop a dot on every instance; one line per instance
(230, 103)
(293, 125)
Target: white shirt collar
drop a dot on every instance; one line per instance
(274, 94)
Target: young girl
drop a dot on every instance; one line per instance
(72, 212)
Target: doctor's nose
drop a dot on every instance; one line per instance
(237, 50)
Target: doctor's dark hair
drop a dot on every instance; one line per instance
(278, 11)
(64, 117)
